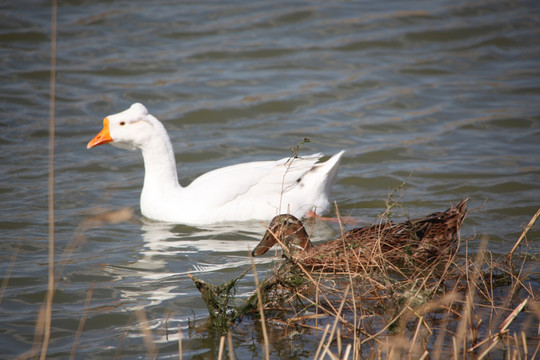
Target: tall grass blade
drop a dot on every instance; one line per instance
(50, 285)
(525, 231)
(81, 324)
(261, 310)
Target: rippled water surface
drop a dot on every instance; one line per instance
(444, 96)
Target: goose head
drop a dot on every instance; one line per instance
(130, 129)
(287, 230)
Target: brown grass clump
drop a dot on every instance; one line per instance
(456, 305)
(462, 306)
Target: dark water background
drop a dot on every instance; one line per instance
(444, 95)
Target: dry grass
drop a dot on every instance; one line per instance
(47, 307)
(454, 306)
(261, 311)
(459, 307)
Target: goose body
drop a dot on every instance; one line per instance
(253, 190)
(419, 241)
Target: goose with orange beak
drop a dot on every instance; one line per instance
(246, 191)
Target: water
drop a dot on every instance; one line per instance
(442, 95)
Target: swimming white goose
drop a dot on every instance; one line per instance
(253, 190)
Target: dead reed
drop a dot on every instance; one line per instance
(457, 306)
(413, 312)
(47, 307)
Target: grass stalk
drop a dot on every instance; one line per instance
(179, 342)
(261, 309)
(321, 342)
(347, 351)
(334, 326)
(525, 231)
(525, 347)
(221, 347)
(413, 341)
(350, 274)
(151, 349)
(231, 346)
(503, 329)
(50, 285)
(82, 322)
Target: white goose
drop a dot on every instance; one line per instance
(253, 190)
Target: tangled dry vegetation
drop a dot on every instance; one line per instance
(460, 306)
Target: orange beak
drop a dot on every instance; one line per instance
(103, 137)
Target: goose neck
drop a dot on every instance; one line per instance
(159, 164)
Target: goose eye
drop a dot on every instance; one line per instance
(122, 123)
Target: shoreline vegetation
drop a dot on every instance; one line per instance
(460, 306)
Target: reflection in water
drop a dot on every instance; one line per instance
(163, 244)
(170, 252)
